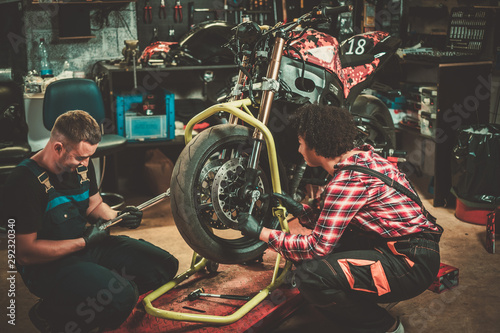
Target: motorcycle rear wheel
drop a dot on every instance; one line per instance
(199, 216)
(381, 133)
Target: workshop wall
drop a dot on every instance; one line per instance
(110, 25)
(12, 44)
(165, 27)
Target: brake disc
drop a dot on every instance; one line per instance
(206, 208)
(229, 178)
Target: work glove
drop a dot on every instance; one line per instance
(292, 206)
(93, 234)
(248, 225)
(131, 220)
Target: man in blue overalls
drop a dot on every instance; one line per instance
(87, 280)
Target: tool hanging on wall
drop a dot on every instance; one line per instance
(192, 11)
(162, 13)
(171, 33)
(148, 15)
(283, 6)
(155, 37)
(178, 12)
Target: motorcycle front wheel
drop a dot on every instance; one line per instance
(206, 187)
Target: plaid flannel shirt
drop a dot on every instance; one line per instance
(358, 199)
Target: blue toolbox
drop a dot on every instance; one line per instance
(135, 126)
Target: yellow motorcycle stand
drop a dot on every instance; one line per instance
(196, 264)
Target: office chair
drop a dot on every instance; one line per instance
(83, 94)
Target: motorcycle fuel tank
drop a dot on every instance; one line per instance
(316, 48)
(352, 61)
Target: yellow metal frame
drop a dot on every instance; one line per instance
(233, 108)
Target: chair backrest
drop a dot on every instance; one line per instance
(72, 94)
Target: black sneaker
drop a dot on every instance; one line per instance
(40, 322)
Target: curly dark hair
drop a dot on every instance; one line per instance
(329, 130)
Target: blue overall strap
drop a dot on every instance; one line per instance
(39, 173)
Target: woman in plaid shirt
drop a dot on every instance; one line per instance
(369, 243)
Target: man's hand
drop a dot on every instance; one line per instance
(131, 220)
(93, 234)
(292, 206)
(248, 225)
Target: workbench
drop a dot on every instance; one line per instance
(185, 82)
(463, 95)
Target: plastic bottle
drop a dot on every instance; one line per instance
(66, 73)
(45, 70)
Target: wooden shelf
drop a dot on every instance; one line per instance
(116, 68)
(82, 2)
(76, 37)
(413, 130)
(177, 141)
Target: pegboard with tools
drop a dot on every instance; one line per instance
(169, 20)
(162, 20)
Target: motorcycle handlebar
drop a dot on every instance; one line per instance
(328, 11)
(318, 12)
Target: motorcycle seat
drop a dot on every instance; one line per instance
(355, 60)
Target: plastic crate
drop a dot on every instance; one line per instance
(492, 229)
(446, 279)
(144, 128)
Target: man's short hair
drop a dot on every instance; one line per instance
(76, 126)
(329, 130)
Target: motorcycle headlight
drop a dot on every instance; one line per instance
(248, 32)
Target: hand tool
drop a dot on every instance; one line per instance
(162, 13)
(142, 206)
(155, 37)
(283, 6)
(192, 11)
(148, 16)
(178, 12)
(171, 33)
(193, 309)
(200, 293)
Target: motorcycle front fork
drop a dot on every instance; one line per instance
(265, 102)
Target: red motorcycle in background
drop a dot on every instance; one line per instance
(232, 167)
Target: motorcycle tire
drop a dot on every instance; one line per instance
(194, 177)
(371, 106)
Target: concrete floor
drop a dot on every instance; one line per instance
(474, 306)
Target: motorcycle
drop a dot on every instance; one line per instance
(235, 166)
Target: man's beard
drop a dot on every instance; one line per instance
(64, 166)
